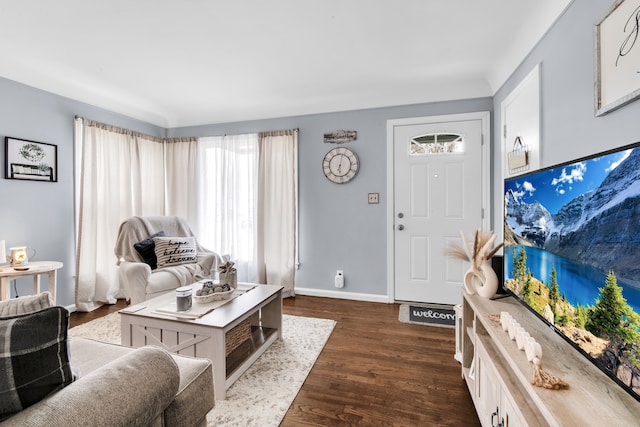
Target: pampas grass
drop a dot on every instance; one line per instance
(456, 251)
(482, 248)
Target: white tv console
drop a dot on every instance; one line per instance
(499, 376)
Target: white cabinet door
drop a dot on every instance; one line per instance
(510, 415)
(493, 403)
(487, 388)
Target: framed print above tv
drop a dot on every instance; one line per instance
(30, 160)
(617, 57)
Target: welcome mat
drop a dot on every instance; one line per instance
(428, 314)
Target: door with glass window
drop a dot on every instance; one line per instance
(438, 192)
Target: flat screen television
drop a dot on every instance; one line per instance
(572, 255)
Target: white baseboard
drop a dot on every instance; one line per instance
(71, 308)
(342, 295)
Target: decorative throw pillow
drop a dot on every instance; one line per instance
(147, 249)
(26, 304)
(35, 358)
(175, 250)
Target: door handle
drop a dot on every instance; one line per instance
(493, 415)
(401, 227)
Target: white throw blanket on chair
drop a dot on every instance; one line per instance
(136, 229)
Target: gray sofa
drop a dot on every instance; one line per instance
(121, 386)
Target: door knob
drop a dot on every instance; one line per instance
(401, 227)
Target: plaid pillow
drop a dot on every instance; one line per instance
(34, 358)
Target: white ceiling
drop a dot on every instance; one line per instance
(177, 63)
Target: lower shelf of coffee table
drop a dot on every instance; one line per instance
(259, 337)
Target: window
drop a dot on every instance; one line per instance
(228, 197)
(437, 143)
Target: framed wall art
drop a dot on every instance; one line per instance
(617, 57)
(30, 160)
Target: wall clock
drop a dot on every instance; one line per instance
(340, 165)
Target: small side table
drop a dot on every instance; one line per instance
(36, 269)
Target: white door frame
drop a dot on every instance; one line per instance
(484, 116)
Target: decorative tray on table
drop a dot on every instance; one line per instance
(211, 291)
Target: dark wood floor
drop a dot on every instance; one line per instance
(373, 371)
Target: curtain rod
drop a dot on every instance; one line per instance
(124, 131)
(117, 129)
(127, 131)
(278, 132)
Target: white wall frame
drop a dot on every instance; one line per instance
(521, 118)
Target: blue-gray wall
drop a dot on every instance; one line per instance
(338, 229)
(569, 127)
(41, 214)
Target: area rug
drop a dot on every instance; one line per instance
(263, 394)
(428, 314)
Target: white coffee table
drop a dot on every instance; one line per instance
(206, 336)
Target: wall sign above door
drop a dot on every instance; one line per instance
(340, 136)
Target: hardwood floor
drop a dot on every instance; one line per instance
(373, 371)
(78, 318)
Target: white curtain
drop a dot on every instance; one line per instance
(278, 178)
(119, 174)
(181, 160)
(239, 194)
(227, 199)
(247, 203)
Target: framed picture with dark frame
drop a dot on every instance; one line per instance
(617, 57)
(30, 160)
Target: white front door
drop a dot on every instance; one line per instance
(440, 187)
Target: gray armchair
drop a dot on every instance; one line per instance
(140, 280)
